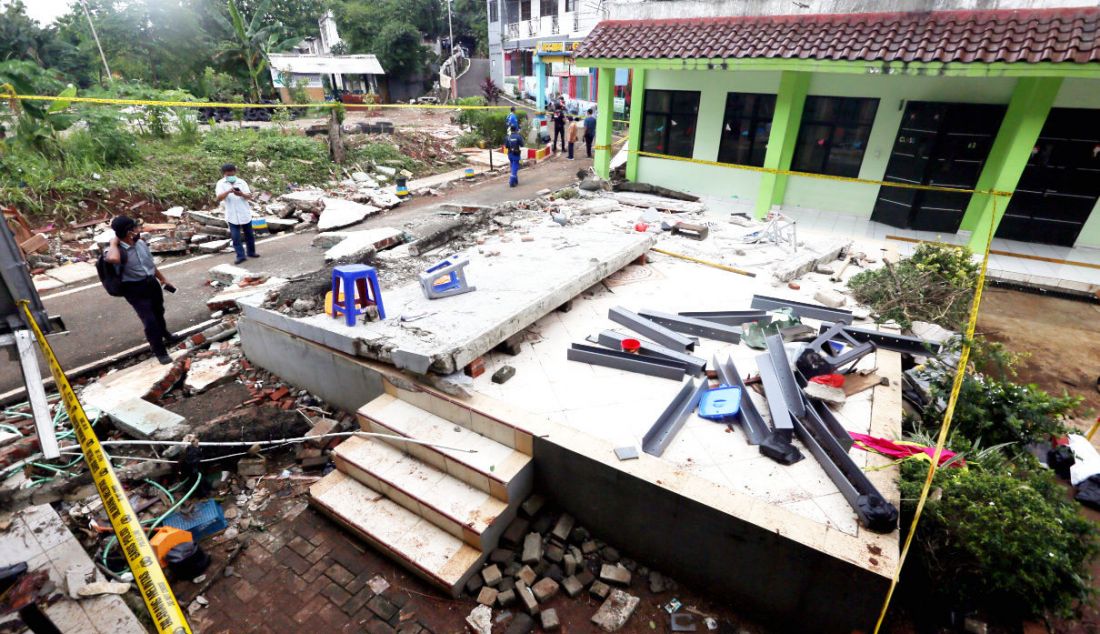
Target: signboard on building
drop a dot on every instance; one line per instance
(556, 51)
(620, 105)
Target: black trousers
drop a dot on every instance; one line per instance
(588, 144)
(148, 302)
(559, 131)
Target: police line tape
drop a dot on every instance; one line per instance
(148, 576)
(215, 104)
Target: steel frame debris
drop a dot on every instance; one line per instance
(693, 326)
(889, 340)
(785, 374)
(650, 329)
(652, 366)
(730, 317)
(801, 309)
(756, 430)
(816, 355)
(661, 433)
(614, 340)
(777, 403)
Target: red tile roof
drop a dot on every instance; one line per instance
(1041, 35)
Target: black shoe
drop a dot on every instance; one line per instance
(238, 260)
(254, 255)
(172, 341)
(164, 359)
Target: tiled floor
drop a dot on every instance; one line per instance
(1001, 267)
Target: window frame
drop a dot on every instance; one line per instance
(833, 124)
(543, 4)
(754, 120)
(672, 111)
(530, 6)
(494, 11)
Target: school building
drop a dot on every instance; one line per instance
(1004, 100)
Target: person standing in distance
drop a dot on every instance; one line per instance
(558, 117)
(513, 120)
(514, 144)
(236, 194)
(571, 136)
(589, 132)
(141, 284)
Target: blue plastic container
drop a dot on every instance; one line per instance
(203, 520)
(720, 403)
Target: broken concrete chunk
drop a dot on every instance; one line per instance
(563, 527)
(305, 200)
(227, 274)
(209, 219)
(480, 620)
(532, 548)
(357, 245)
(141, 419)
(487, 596)
(827, 393)
(615, 611)
(615, 573)
(550, 622)
(830, 298)
(213, 246)
(208, 372)
(148, 380)
(545, 589)
(527, 598)
(342, 213)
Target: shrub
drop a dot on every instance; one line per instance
(468, 138)
(490, 125)
(1005, 541)
(935, 284)
(104, 144)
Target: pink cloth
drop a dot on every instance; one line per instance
(901, 449)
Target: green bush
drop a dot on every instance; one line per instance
(935, 284)
(104, 144)
(383, 153)
(468, 138)
(1006, 542)
(490, 125)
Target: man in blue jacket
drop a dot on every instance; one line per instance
(589, 132)
(513, 121)
(514, 143)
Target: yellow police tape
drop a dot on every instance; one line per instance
(159, 600)
(214, 104)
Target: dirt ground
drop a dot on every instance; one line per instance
(1061, 337)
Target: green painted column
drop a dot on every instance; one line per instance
(605, 109)
(789, 102)
(1027, 112)
(637, 107)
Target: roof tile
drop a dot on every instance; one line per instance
(1032, 35)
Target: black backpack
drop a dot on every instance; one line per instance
(110, 275)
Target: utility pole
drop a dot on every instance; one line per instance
(95, 36)
(454, 61)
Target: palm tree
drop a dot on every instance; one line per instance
(252, 41)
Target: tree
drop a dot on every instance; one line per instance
(471, 25)
(298, 17)
(399, 48)
(393, 30)
(252, 40)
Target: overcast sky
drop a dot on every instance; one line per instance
(46, 11)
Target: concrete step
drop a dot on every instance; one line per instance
(470, 514)
(412, 541)
(497, 469)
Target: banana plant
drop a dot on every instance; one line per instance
(252, 41)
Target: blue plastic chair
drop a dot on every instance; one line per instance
(356, 295)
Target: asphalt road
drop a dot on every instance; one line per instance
(101, 326)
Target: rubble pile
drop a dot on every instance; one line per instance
(546, 558)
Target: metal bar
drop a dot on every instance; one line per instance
(803, 310)
(819, 409)
(650, 329)
(36, 394)
(651, 366)
(657, 439)
(777, 404)
(730, 317)
(888, 340)
(818, 358)
(756, 430)
(614, 340)
(697, 327)
(847, 489)
(785, 375)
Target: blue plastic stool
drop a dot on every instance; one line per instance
(356, 294)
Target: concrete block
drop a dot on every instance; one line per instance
(487, 596)
(227, 274)
(521, 624)
(615, 611)
(533, 504)
(585, 577)
(208, 372)
(208, 218)
(502, 375)
(569, 564)
(615, 573)
(73, 272)
(515, 531)
(491, 575)
(527, 598)
(545, 589)
(830, 298)
(526, 575)
(554, 553)
(589, 547)
(563, 527)
(599, 589)
(572, 586)
(321, 426)
(549, 620)
(502, 556)
(142, 419)
(532, 548)
(342, 213)
(506, 598)
(213, 246)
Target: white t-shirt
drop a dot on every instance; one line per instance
(237, 210)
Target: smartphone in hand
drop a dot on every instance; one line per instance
(170, 288)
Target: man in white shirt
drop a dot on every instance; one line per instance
(236, 194)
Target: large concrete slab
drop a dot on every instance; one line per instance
(147, 380)
(142, 419)
(526, 280)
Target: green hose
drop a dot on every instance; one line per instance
(171, 498)
(12, 428)
(154, 523)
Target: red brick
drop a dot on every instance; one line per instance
(279, 394)
(475, 368)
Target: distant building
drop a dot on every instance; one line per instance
(531, 46)
(1004, 97)
(312, 61)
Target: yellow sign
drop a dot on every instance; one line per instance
(159, 600)
(551, 47)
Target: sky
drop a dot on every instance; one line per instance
(46, 11)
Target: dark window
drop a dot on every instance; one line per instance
(525, 9)
(494, 11)
(570, 5)
(668, 122)
(746, 128)
(511, 11)
(548, 7)
(833, 135)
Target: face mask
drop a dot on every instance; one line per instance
(231, 179)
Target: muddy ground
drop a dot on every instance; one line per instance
(1061, 337)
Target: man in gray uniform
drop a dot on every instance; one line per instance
(141, 284)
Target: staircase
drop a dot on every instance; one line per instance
(436, 510)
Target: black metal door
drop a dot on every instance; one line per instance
(1061, 182)
(944, 144)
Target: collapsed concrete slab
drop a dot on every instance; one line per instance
(660, 203)
(147, 380)
(141, 419)
(357, 245)
(227, 274)
(208, 372)
(524, 282)
(809, 257)
(308, 200)
(227, 299)
(209, 219)
(342, 213)
(73, 272)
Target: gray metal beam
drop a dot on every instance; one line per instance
(693, 326)
(785, 375)
(652, 366)
(650, 329)
(777, 404)
(36, 394)
(614, 340)
(888, 340)
(657, 439)
(801, 309)
(730, 317)
(756, 430)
